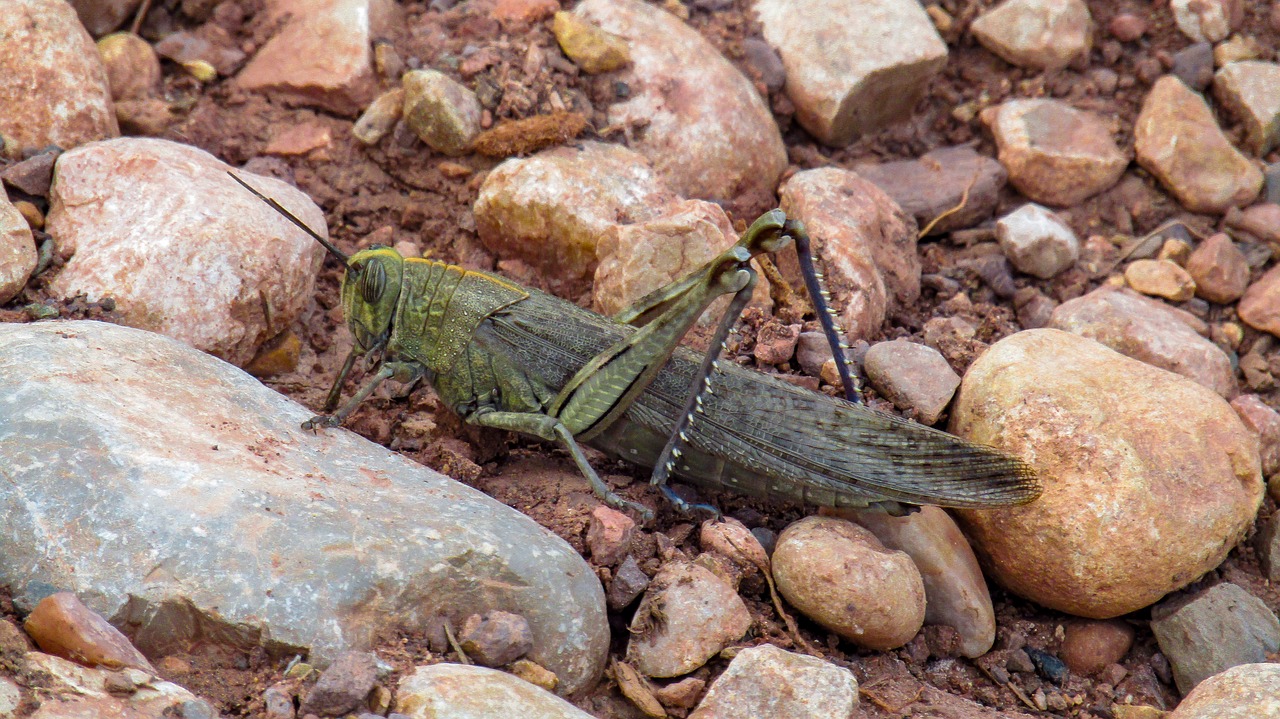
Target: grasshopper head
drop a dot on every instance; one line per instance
(370, 290)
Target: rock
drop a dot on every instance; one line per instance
(1265, 423)
(1213, 630)
(936, 184)
(1250, 90)
(707, 132)
(1247, 691)
(17, 250)
(765, 61)
(522, 13)
(63, 626)
(1148, 331)
(1177, 140)
(32, 175)
(535, 674)
(1054, 153)
(1089, 647)
(766, 681)
(321, 57)
(955, 591)
(209, 44)
(1036, 241)
(380, 117)
(45, 47)
(640, 257)
(1127, 27)
(1238, 48)
(1160, 278)
(1149, 479)
(343, 687)
(686, 617)
(1042, 34)
(1267, 546)
(1219, 269)
(278, 703)
(812, 350)
(100, 17)
(297, 140)
(495, 638)
(847, 79)
(70, 690)
(682, 694)
(1207, 20)
(194, 461)
(457, 691)
(628, 582)
(776, 343)
(839, 575)
(1259, 307)
(731, 539)
(1193, 65)
(443, 113)
(916, 378)
(589, 47)
(609, 535)
(133, 70)
(551, 209)
(866, 242)
(251, 271)
(1261, 220)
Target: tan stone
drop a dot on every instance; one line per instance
(707, 132)
(1160, 278)
(222, 281)
(380, 117)
(1045, 34)
(1149, 479)
(443, 113)
(321, 57)
(954, 588)
(686, 617)
(839, 575)
(1149, 331)
(133, 69)
(1207, 20)
(866, 242)
(62, 625)
(1264, 422)
(850, 78)
(45, 47)
(640, 257)
(1054, 153)
(1250, 91)
(1219, 269)
(1178, 140)
(1247, 691)
(1260, 306)
(550, 210)
(17, 250)
(917, 379)
(590, 48)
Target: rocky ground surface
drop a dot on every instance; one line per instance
(1048, 225)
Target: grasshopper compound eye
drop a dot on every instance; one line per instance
(373, 281)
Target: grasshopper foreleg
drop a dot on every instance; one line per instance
(399, 371)
(551, 429)
(335, 392)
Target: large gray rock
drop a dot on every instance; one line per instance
(1211, 631)
(179, 498)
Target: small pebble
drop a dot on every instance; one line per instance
(1127, 27)
(1091, 646)
(629, 582)
(63, 626)
(495, 638)
(609, 534)
(1160, 278)
(343, 686)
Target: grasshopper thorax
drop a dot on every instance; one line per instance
(370, 292)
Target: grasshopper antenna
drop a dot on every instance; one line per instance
(332, 248)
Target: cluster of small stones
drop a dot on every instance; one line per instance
(1144, 405)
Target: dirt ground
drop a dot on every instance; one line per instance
(399, 190)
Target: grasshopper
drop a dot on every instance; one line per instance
(514, 358)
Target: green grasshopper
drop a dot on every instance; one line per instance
(514, 358)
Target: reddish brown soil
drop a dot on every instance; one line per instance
(401, 191)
